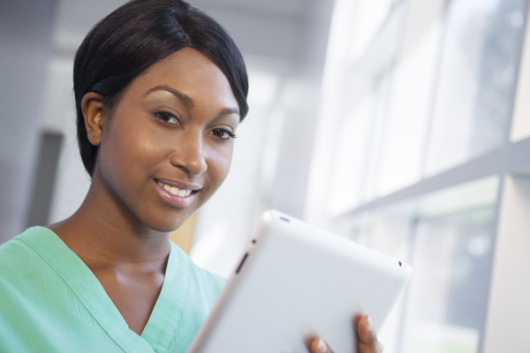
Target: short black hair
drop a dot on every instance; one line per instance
(137, 35)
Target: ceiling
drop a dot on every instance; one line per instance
(266, 28)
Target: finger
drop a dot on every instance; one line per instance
(367, 338)
(319, 346)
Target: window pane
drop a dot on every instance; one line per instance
(475, 90)
(408, 115)
(351, 158)
(452, 255)
(371, 16)
(448, 293)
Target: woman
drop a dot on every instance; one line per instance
(160, 90)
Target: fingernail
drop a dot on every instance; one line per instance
(381, 347)
(321, 346)
(369, 323)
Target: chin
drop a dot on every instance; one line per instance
(165, 227)
(166, 224)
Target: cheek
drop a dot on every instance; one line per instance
(128, 153)
(219, 165)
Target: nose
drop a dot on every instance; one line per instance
(189, 154)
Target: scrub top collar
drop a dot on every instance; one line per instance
(167, 312)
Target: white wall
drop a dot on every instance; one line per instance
(25, 49)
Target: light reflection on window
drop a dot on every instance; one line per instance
(477, 80)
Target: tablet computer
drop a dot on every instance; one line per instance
(295, 281)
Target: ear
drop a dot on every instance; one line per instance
(92, 108)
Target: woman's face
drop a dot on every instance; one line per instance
(168, 145)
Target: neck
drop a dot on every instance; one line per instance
(104, 229)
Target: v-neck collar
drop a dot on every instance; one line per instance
(169, 308)
(165, 317)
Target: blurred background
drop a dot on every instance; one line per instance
(403, 125)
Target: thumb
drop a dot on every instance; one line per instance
(367, 338)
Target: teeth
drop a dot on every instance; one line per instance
(184, 193)
(176, 191)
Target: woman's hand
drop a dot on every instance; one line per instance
(366, 337)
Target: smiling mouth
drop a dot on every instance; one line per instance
(173, 190)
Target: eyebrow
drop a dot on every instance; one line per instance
(227, 111)
(189, 102)
(184, 98)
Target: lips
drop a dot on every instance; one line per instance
(177, 193)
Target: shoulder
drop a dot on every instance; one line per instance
(18, 254)
(23, 271)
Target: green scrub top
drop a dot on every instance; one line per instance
(50, 301)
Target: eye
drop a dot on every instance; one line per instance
(223, 134)
(167, 118)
